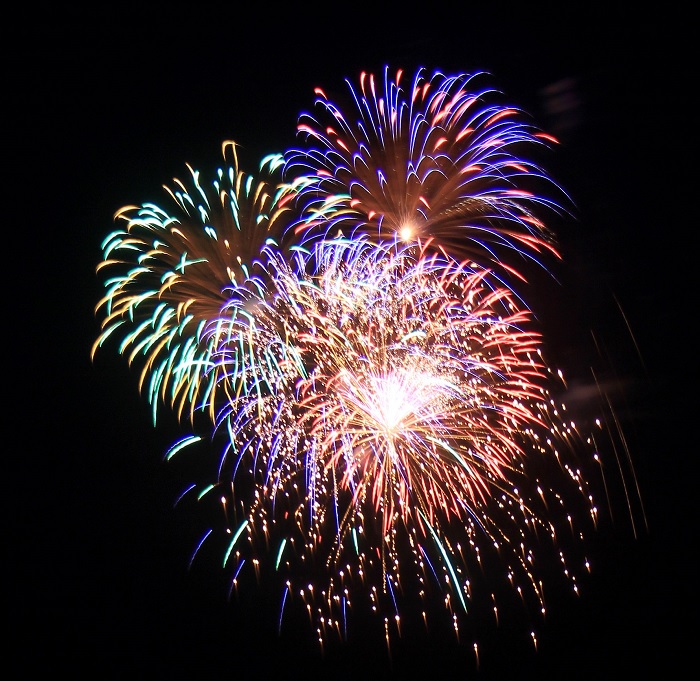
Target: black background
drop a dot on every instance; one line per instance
(107, 105)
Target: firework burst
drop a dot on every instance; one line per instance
(440, 160)
(173, 268)
(393, 410)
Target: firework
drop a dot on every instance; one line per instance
(174, 269)
(441, 160)
(393, 410)
(348, 321)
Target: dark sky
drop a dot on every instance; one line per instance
(106, 106)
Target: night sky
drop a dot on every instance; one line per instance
(106, 107)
